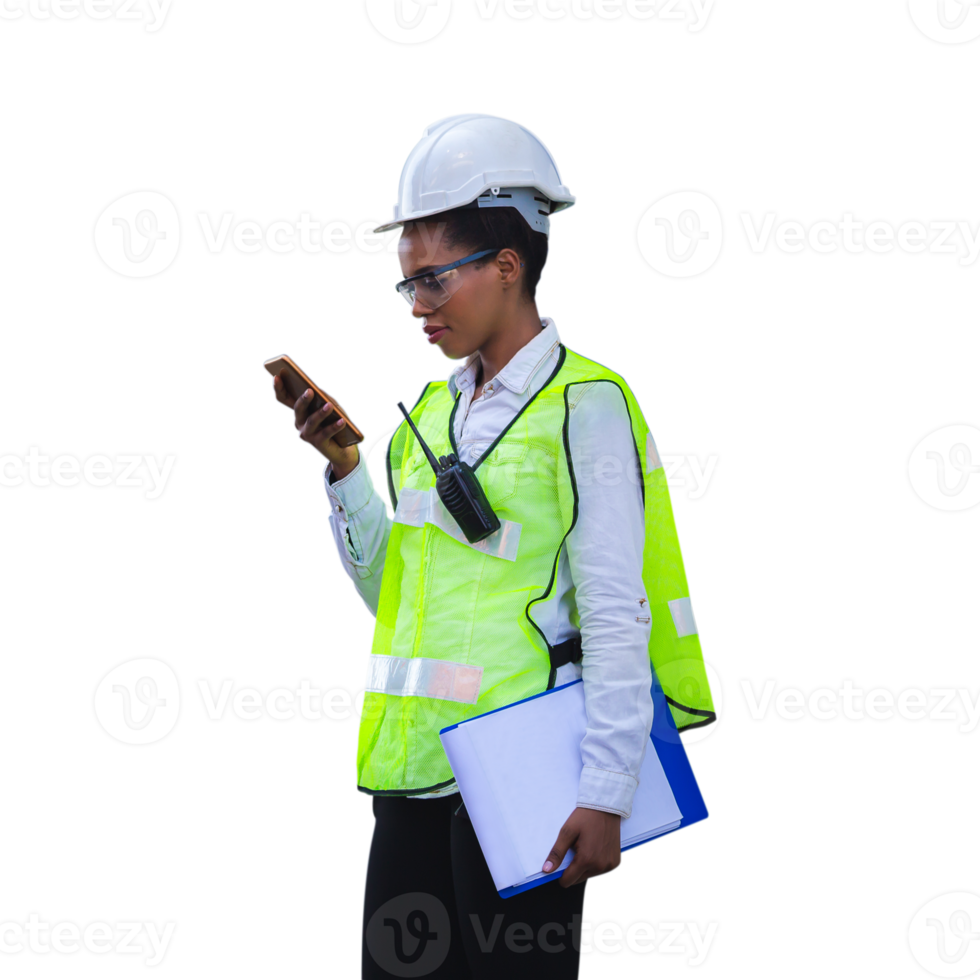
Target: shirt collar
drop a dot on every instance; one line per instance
(517, 373)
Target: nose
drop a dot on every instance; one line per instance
(419, 308)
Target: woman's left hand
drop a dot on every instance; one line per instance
(595, 836)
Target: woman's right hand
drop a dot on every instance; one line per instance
(312, 429)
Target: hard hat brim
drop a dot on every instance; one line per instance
(556, 205)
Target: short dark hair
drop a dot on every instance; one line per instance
(474, 229)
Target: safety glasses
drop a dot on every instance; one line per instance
(434, 288)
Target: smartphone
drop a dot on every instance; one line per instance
(296, 381)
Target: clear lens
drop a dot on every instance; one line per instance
(432, 291)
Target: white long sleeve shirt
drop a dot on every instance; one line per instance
(599, 591)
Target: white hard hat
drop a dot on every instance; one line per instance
(479, 158)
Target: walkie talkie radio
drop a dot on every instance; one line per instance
(460, 491)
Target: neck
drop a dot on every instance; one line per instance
(521, 328)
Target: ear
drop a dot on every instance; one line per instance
(509, 266)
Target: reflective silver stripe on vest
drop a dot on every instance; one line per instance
(421, 677)
(683, 614)
(418, 507)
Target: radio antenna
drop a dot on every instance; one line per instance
(428, 452)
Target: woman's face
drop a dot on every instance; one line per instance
(467, 320)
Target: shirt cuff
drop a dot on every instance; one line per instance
(600, 789)
(351, 493)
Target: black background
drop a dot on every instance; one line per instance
(811, 376)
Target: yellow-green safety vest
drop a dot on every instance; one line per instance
(455, 634)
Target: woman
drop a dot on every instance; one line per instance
(584, 578)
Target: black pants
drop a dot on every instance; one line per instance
(431, 910)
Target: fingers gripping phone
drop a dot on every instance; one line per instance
(296, 381)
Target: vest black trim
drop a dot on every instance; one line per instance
(609, 381)
(628, 385)
(710, 716)
(554, 564)
(697, 724)
(406, 792)
(504, 431)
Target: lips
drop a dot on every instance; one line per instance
(435, 333)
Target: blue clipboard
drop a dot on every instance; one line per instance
(667, 743)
